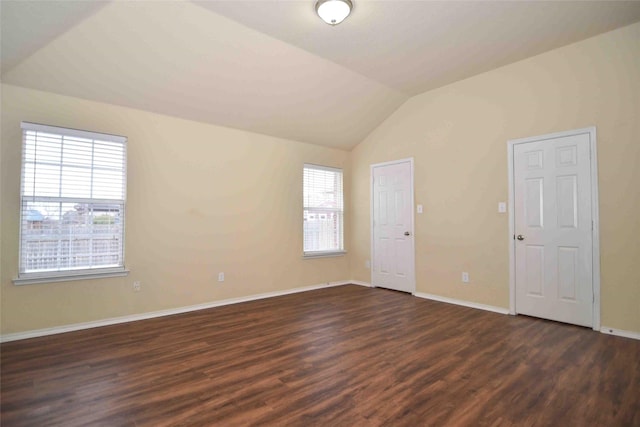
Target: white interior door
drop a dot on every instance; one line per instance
(553, 228)
(392, 226)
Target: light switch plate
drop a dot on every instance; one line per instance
(502, 207)
(419, 208)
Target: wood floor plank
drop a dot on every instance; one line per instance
(343, 356)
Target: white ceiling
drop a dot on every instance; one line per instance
(273, 66)
(415, 46)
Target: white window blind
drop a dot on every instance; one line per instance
(323, 210)
(73, 201)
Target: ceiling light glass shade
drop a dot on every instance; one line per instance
(333, 12)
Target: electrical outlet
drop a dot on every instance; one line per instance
(137, 286)
(465, 277)
(220, 277)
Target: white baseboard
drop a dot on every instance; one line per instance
(463, 303)
(359, 283)
(620, 333)
(160, 313)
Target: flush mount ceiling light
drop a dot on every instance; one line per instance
(333, 12)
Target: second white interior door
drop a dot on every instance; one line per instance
(392, 222)
(553, 229)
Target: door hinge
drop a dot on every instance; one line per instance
(514, 237)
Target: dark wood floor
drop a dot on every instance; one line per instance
(344, 356)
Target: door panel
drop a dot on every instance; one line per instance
(567, 266)
(567, 201)
(534, 202)
(552, 201)
(535, 270)
(392, 249)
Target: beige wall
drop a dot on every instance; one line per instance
(204, 199)
(201, 199)
(458, 137)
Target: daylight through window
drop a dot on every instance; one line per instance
(73, 201)
(323, 211)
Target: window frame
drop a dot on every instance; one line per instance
(328, 252)
(79, 273)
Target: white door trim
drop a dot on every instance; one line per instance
(595, 231)
(413, 234)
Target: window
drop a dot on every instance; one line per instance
(72, 204)
(323, 211)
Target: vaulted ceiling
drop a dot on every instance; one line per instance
(272, 66)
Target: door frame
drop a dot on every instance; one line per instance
(412, 259)
(595, 229)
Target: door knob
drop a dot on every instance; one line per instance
(406, 233)
(520, 237)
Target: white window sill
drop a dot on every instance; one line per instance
(323, 254)
(66, 276)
